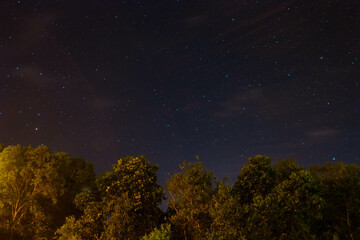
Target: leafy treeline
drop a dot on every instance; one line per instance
(45, 195)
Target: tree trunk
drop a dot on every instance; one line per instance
(348, 220)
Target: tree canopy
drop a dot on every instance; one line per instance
(191, 191)
(340, 186)
(37, 188)
(124, 204)
(46, 195)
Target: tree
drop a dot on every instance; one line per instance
(191, 191)
(267, 203)
(90, 224)
(340, 187)
(124, 204)
(73, 174)
(227, 215)
(256, 178)
(70, 230)
(285, 168)
(162, 233)
(34, 186)
(2, 146)
(288, 212)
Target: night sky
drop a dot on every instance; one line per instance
(179, 80)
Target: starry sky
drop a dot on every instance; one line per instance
(180, 79)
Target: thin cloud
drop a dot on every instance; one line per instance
(240, 102)
(326, 132)
(195, 20)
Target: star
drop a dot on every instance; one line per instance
(167, 87)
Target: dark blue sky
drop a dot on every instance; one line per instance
(224, 80)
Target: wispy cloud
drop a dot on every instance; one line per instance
(240, 102)
(103, 103)
(325, 132)
(195, 21)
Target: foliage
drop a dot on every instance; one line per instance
(285, 168)
(227, 215)
(288, 212)
(35, 186)
(2, 146)
(69, 231)
(123, 206)
(266, 203)
(162, 233)
(340, 187)
(191, 191)
(41, 191)
(256, 178)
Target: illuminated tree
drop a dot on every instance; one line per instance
(288, 212)
(162, 233)
(256, 178)
(191, 191)
(123, 206)
(227, 215)
(267, 203)
(232, 207)
(2, 146)
(35, 186)
(340, 187)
